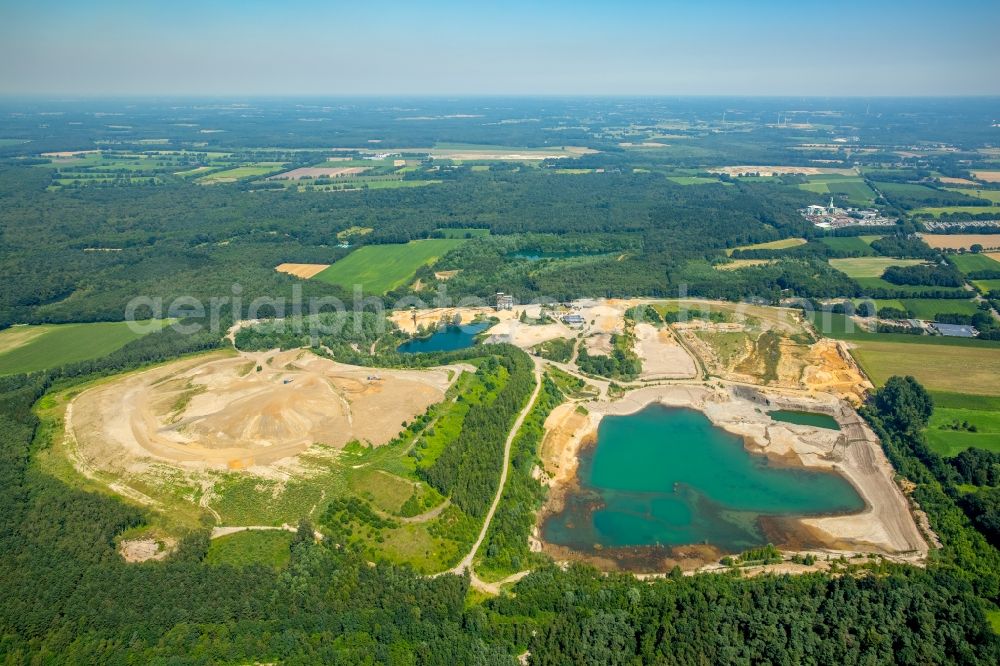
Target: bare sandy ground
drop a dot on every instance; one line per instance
(662, 356)
(526, 335)
(223, 413)
(885, 526)
(69, 153)
(410, 321)
(598, 344)
(146, 548)
(304, 271)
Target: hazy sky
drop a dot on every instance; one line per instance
(328, 47)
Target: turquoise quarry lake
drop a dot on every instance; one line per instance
(667, 477)
(448, 338)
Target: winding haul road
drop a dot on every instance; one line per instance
(466, 563)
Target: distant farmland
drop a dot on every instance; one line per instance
(33, 348)
(869, 267)
(381, 268)
(938, 367)
(783, 244)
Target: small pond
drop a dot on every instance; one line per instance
(814, 419)
(448, 338)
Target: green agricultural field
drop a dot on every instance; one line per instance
(905, 189)
(927, 308)
(948, 435)
(783, 244)
(381, 268)
(987, 286)
(33, 348)
(264, 547)
(952, 368)
(848, 244)
(869, 267)
(992, 195)
(244, 171)
(881, 302)
(970, 263)
(856, 190)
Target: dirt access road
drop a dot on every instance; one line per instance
(466, 563)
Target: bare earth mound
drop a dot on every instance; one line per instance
(244, 411)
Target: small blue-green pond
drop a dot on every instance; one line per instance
(448, 338)
(668, 477)
(805, 418)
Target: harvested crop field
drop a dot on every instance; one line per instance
(947, 180)
(962, 241)
(869, 267)
(987, 176)
(251, 410)
(737, 264)
(782, 244)
(304, 271)
(318, 172)
(781, 170)
(954, 368)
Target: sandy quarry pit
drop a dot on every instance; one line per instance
(218, 412)
(662, 356)
(886, 526)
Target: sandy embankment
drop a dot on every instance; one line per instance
(885, 526)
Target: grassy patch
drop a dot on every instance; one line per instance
(970, 263)
(269, 548)
(848, 244)
(987, 286)
(33, 348)
(948, 434)
(928, 308)
(991, 195)
(380, 268)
